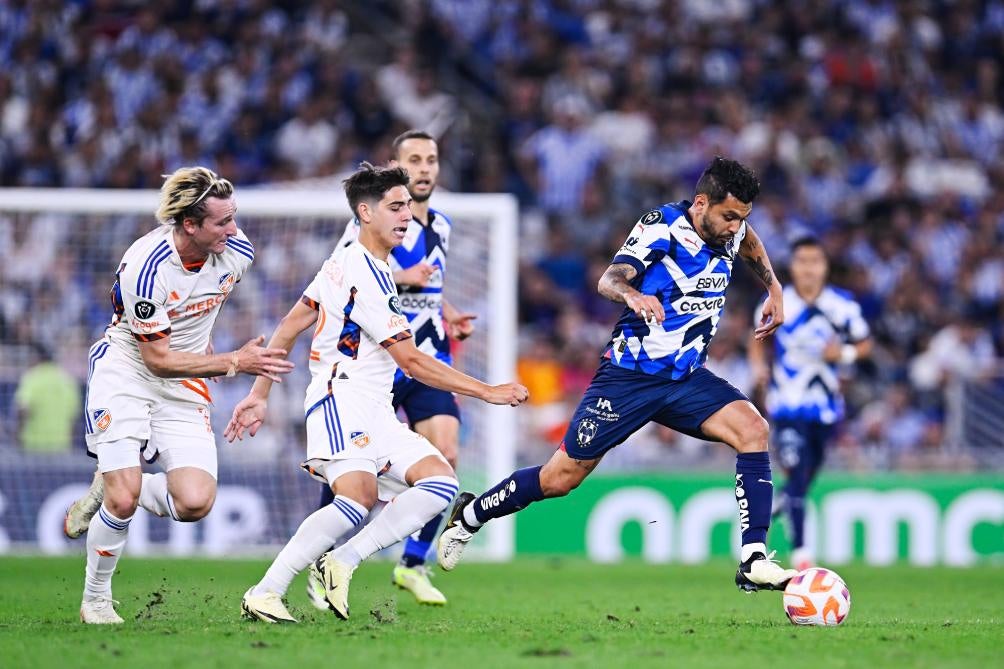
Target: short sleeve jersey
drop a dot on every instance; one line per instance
(803, 386)
(155, 295)
(689, 277)
(422, 305)
(359, 317)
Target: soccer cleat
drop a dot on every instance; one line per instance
(79, 515)
(315, 589)
(267, 608)
(335, 577)
(455, 536)
(99, 611)
(416, 581)
(761, 572)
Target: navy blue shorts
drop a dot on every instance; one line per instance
(801, 444)
(618, 402)
(421, 401)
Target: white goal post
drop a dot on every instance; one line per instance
(481, 277)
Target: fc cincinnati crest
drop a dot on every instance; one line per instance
(586, 431)
(102, 418)
(360, 439)
(227, 283)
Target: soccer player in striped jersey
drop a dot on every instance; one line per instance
(824, 330)
(419, 270)
(146, 394)
(355, 444)
(671, 275)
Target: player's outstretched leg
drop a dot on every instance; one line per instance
(78, 516)
(513, 493)
(316, 534)
(409, 511)
(411, 573)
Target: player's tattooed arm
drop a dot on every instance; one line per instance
(615, 285)
(755, 255)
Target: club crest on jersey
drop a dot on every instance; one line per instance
(394, 304)
(145, 310)
(102, 418)
(360, 439)
(651, 217)
(227, 283)
(585, 432)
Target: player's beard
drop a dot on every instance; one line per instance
(708, 233)
(419, 197)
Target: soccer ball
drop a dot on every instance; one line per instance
(817, 596)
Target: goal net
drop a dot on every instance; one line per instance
(59, 250)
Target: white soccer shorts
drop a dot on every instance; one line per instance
(129, 414)
(368, 433)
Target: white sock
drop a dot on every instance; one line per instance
(409, 511)
(154, 497)
(106, 537)
(749, 549)
(470, 517)
(316, 534)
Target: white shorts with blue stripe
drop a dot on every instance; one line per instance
(359, 433)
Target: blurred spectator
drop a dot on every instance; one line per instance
(48, 402)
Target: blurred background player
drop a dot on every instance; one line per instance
(145, 387)
(353, 435)
(671, 274)
(419, 270)
(823, 330)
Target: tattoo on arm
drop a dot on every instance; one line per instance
(616, 280)
(753, 253)
(761, 270)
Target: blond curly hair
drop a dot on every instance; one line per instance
(184, 194)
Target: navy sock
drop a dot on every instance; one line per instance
(516, 491)
(327, 497)
(415, 550)
(754, 493)
(796, 514)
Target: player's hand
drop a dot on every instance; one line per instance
(417, 275)
(832, 351)
(512, 394)
(268, 362)
(771, 317)
(646, 307)
(459, 325)
(249, 414)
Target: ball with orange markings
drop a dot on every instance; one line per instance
(817, 596)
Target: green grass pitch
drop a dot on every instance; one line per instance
(184, 613)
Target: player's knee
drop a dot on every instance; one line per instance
(754, 435)
(193, 505)
(121, 502)
(558, 484)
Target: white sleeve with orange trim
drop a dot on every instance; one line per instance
(144, 298)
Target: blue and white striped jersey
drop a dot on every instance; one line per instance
(422, 305)
(803, 386)
(689, 276)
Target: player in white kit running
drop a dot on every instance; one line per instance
(145, 389)
(355, 442)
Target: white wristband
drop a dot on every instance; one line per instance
(848, 354)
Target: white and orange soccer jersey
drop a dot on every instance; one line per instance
(156, 296)
(359, 316)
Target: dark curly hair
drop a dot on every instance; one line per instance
(723, 177)
(369, 183)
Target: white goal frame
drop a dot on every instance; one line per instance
(501, 209)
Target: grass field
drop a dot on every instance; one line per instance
(184, 613)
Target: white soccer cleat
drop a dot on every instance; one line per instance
(99, 611)
(315, 589)
(762, 572)
(267, 608)
(455, 537)
(416, 581)
(79, 515)
(335, 577)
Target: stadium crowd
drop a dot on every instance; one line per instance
(874, 125)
